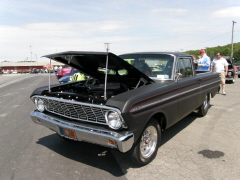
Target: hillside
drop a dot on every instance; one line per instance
(226, 50)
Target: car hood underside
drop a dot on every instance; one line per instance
(90, 62)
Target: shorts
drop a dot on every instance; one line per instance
(222, 78)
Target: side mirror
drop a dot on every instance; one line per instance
(178, 77)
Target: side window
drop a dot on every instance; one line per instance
(185, 67)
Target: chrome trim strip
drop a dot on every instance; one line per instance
(85, 133)
(165, 99)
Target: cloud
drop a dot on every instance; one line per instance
(172, 11)
(227, 12)
(47, 38)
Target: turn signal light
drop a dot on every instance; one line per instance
(110, 141)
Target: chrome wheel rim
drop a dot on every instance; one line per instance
(205, 103)
(148, 142)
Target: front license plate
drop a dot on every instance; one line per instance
(67, 133)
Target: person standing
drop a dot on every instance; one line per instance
(220, 65)
(55, 69)
(204, 61)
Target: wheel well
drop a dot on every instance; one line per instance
(160, 117)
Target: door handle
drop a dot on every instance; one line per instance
(199, 79)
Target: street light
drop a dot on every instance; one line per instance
(232, 37)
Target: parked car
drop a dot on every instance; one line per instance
(125, 108)
(23, 71)
(63, 72)
(231, 71)
(67, 77)
(33, 71)
(237, 71)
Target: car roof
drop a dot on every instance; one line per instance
(167, 53)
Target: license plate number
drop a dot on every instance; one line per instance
(68, 133)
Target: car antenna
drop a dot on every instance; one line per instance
(106, 71)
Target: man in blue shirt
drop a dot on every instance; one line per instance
(204, 61)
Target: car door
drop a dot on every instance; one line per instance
(189, 87)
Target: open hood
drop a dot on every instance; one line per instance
(89, 63)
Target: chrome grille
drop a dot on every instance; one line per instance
(75, 110)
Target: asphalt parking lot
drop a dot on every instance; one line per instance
(194, 148)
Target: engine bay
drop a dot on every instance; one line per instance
(87, 91)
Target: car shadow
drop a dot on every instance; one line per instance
(167, 135)
(103, 158)
(86, 153)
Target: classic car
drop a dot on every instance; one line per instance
(124, 106)
(67, 77)
(231, 71)
(63, 72)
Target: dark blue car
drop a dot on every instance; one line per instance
(66, 78)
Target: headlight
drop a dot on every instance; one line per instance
(40, 104)
(229, 73)
(113, 119)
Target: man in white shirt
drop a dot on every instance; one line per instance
(220, 65)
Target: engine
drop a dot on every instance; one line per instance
(86, 92)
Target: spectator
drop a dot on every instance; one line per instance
(220, 64)
(204, 61)
(55, 69)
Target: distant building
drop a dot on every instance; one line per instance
(19, 66)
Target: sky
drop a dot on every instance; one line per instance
(30, 29)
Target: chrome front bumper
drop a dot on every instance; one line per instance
(84, 133)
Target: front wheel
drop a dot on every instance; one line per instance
(145, 150)
(203, 109)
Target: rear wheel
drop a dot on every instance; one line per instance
(145, 150)
(203, 109)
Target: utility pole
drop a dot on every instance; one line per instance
(36, 57)
(232, 37)
(31, 52)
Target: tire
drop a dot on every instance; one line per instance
(238, 76)
(203, 109)
(145, 150)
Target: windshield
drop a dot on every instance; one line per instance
(156, 66)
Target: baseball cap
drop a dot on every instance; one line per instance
(201, 51)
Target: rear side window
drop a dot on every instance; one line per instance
(185, 67)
